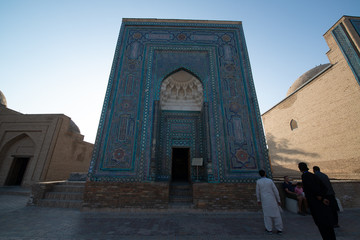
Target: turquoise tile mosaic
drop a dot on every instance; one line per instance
(135, 137)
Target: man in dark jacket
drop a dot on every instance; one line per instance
(330, 193)
(315, 192)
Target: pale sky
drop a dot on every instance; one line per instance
(56, 55)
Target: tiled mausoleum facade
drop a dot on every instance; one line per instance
(179, 90)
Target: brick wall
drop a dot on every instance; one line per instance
(126, 195)
(71, 153)
(53, 150)
(38, 191)
(225, 196)
(207, 196)
(348, 192)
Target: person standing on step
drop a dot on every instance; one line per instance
(268, 197)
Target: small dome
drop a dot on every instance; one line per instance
(3, 99)
(73, 127)
(306, 77)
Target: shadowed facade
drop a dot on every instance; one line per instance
(179, 90)
(318, 121)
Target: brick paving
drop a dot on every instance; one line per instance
(18, 221)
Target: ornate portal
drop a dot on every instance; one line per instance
(178, 90)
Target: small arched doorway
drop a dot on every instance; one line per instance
(15, 159)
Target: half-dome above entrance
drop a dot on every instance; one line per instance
(181, 91)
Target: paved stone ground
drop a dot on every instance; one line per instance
(18, 221)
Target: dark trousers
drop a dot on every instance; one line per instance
(334, 208)
(323, 218)
(327, 232)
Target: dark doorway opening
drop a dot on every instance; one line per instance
(180, 164)
(17, 171)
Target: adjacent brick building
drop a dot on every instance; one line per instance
(39, 147)
(318, 122)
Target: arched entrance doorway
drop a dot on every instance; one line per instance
(15, 159)
(181, 130)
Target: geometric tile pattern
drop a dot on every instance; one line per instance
(178, 129)
(346, 46)
(227, 133)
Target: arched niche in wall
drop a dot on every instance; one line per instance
(293, 124)
(181, 91)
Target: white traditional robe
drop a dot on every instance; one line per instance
(267, 193)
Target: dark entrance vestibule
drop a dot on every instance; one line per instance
(180, 164)
(17, 171)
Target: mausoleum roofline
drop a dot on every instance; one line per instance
(156, 20)
(342, 19)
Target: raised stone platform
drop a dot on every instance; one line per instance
(63, 194)
(225, 196)
(126, 195)
(206, 196)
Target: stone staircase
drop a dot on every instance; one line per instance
(180, 195)
(67, 194)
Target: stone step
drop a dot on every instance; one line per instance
(65, 195)
(181, 199)
(180, 192)
(180, 206)
(180, 186)
(68, 188)
(60, 203)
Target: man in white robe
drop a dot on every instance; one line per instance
(268, 196)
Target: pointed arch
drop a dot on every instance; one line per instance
(293, 124)
(17, 139)
(15, 155)
(22, 136)
(181, 90)
(183, 69)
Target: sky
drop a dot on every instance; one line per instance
(56, 55)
